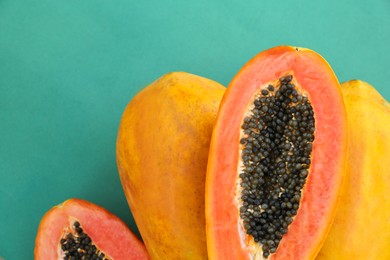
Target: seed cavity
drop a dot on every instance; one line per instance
(77, 245)
(276, 146)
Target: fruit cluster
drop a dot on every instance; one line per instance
(285, 163)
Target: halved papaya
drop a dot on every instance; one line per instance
(361, 229)
(78, 229)
(277, 158)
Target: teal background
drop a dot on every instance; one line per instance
(68, 69)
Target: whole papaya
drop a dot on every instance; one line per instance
(361, 229)
(162, 150)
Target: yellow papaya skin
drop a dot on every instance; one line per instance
(162, 150)
(361, 229)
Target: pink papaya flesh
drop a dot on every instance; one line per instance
(83, 230)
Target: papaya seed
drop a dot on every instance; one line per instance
(80, 246)
(277, 143)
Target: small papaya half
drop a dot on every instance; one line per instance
(277, 158)
(162, 150)
(78, 229)
(361, 229)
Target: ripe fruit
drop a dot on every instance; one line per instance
(276, 159)
(162, 150)
(361, 229)
(79, 228)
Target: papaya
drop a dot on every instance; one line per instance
(162, 150)
(277, 158)
(361, 229)
(78, 229)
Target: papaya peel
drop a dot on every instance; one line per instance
(361, 229)
(162, 150)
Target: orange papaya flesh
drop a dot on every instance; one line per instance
(361, 229)
(232, 218)
(84, 230)
(162, 150)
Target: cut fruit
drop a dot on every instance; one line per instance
(361, 229)
(162, 151)
(277, 158)
(80, 229)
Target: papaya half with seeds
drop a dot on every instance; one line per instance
(78, 229)
(162, 151)
(361, 228)
(277, 158)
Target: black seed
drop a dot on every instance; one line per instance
(288, 78)
(264, 92)
(277, 144)
(287, 146)
(271, 230)
(270, 243)
(303, 173)
(79, 245)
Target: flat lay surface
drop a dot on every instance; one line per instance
(69, 68)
